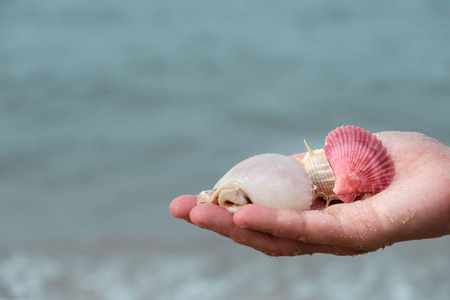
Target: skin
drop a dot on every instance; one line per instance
(415, 206)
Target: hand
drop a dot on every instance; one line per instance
(415, 206)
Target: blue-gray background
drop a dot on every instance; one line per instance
(110, 109)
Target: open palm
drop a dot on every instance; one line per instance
(415, 206)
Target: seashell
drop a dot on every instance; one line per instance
(271, 180)
(320, 172)
(360, 162)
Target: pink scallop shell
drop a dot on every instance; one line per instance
(359, 161)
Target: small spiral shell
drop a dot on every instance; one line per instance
(320, 172)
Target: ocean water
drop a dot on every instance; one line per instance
(111, 109)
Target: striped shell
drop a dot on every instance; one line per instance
(319, 170)
(360, 162)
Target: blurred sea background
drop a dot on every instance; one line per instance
(110, 109)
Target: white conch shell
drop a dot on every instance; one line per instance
(271, 180)
(319, 170)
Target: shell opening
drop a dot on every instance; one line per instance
(232, 199)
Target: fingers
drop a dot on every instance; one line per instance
(181, 207)
(339, 225)
(219, 220)
(275, 232)
(212, 217)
